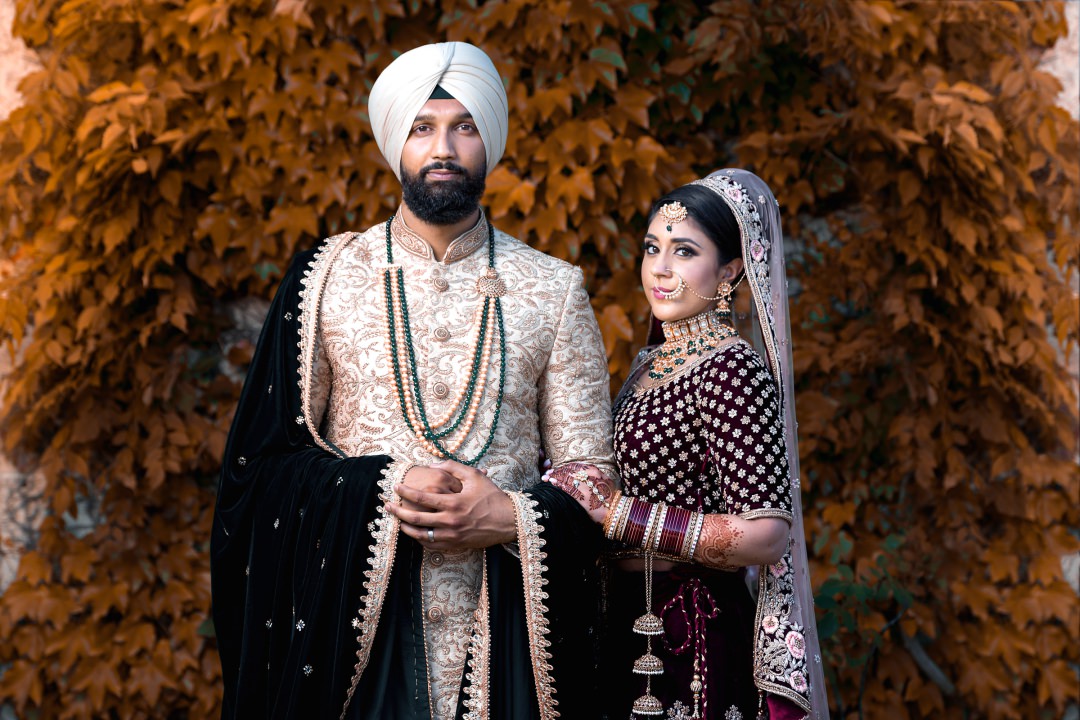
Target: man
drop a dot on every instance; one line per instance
(382, 547)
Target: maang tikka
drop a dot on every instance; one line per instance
(673, 212)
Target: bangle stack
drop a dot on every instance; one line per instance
(656, 528)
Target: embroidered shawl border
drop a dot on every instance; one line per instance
(531, 546)
(381, 561)
(478, 676)
(380, 565)
(776, 591)
(314, 282)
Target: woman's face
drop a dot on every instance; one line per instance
(688, 252)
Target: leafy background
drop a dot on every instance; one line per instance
(171, 155)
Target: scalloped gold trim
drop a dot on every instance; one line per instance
(380, 564)
(533, 568)
(478, 674)
(314, 283)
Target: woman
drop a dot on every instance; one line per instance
(705, 444)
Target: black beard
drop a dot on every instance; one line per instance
(446, 202)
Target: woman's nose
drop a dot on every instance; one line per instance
(660, 268)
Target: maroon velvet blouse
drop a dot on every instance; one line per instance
(708, 439)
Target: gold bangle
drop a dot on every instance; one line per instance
(694, 536)
(658, 530)
(650, 526)
(613, 509)
(624, 518)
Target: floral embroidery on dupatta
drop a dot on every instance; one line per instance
(780, 649)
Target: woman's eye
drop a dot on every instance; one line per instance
(684, 252)
(650, 249)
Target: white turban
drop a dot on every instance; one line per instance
(464, 71)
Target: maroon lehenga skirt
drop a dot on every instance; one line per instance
(695, 604)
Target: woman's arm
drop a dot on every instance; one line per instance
(725, 541)
(728, 542)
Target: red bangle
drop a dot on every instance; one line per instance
(635, 528)
(674, 532)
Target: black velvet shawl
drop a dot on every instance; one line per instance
(292, 537)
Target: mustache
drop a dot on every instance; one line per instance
(451, 166)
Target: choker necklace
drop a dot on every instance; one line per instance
(443, 437)
(687, 338)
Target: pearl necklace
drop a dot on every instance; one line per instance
(457, 422)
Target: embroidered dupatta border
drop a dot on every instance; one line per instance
(381, 561)
(314, 282)
(478, 676)
(380, 564)
(768, 588)
(531, 546)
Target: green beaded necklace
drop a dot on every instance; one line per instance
(431, 434)
(689, 338)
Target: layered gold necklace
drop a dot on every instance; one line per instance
(689, 338)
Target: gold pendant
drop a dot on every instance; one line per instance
(490, 284)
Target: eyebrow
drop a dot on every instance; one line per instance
(686, 241)
(430, 119)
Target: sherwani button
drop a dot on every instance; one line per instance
(440, 390)
(442, 334)
(440, 283)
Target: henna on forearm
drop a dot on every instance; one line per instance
(720, 537)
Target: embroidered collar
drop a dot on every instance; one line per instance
(461, 247)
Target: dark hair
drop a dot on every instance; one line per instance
(711, 214)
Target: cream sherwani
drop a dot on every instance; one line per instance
(556, 393)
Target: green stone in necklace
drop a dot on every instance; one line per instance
(492, 288)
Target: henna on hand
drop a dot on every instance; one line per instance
(719, 538)
(571, 479)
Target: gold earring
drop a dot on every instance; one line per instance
(723, 308)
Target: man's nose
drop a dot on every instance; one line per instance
(444, 144)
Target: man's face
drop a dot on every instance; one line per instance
(443, 164)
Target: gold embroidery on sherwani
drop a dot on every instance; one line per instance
(556, 381)
(462, 246)
(450, 595)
